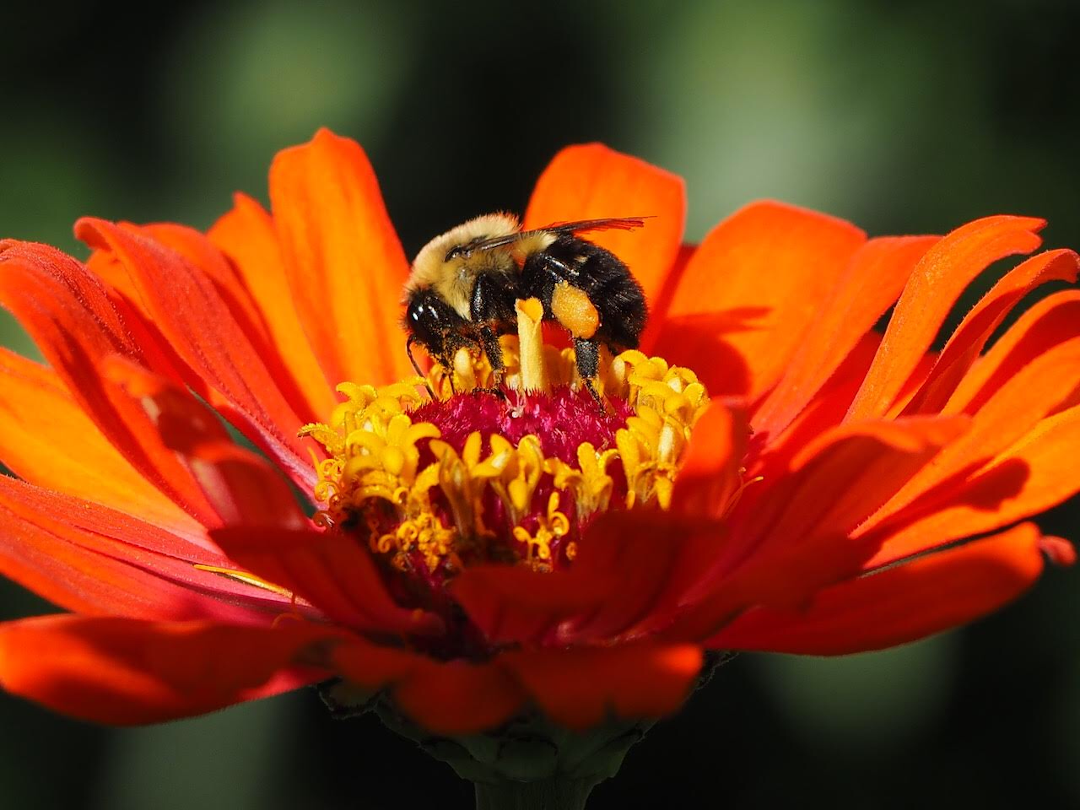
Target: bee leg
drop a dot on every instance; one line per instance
(448, 368)
(416, 366)
(587, 352)
(489, 342)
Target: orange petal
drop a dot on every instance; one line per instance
(76, 326)
(872, 282)
(796, 538)
(710, 477)
(96, 561)
(838, 480)
(130, 672)
(1043, 386)
(37, 410)
(224, 366)
(344, 263)
(246, 235)
(825, 411)
(900, 604)
(702, 341)
(770, 268)
(242, 486)
(978, 325)
(580, 688)
(942, 275)
(659, 306)
(332, 571)
(1033, 475)
(203, 254)
(1048, 323)
(591, 181)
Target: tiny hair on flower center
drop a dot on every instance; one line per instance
(466, 466)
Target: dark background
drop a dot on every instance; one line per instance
(903, 117)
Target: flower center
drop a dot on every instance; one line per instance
(495, 468)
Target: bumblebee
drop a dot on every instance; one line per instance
(464, 284)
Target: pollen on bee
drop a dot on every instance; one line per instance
(573, 309)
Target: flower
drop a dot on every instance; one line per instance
(769, 473)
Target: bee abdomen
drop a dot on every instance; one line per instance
(610, 286)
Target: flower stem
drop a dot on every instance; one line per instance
(556, 793)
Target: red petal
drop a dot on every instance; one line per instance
(900, 604)
(1058, 550)
(629, 568)
(591, 181)
(942, 275)
(580, 688)
(96, 561)
(224, 367)
(978, 325)
(247, 236)
(37, 410)
(129, 672)
(77, 327)
(332, 571)
(344, 263)
(768, 270)
(453, 697)
(459, 698)
(873, 281)
(517, 605)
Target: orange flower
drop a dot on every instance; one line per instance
(470, 556)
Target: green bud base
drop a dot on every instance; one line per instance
(528, 763)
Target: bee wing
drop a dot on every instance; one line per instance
(581, 226)
(621, 223)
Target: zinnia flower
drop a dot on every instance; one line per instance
(768, 473)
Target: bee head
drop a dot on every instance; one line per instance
(430, 320)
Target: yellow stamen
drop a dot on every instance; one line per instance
(550, 526)
(412, 495)
(246, 578)
(530, 314)
(589, 482)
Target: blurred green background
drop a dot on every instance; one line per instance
(911, 117)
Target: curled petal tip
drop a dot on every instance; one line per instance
(1058, 550)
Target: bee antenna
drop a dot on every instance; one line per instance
(416, 366)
